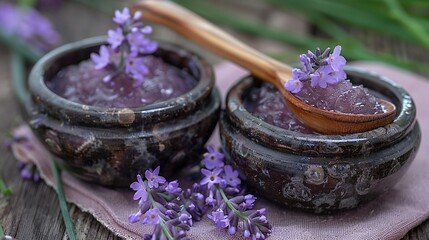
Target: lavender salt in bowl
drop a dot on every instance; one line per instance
(109, 137)
(287, 163)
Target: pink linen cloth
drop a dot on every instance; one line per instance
(389, 217)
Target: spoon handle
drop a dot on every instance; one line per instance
(209, 36)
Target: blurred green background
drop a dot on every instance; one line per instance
(390, 31)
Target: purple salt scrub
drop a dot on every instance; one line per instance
(267, 104)
(123, 73)
(84, 84)
(341, 97)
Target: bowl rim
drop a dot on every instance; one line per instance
(85, 114)
(283, 139)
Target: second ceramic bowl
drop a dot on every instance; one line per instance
(320, 173)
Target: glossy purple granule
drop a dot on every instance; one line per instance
(84, 84)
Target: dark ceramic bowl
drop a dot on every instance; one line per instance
(320, 173)
(110, 146)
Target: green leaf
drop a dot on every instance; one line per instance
(19, 78)
(4, 189)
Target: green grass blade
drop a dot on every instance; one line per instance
(352, 48)
(19, 77)
(62, 200)
(4, 189)
(1, 232)
(347, 14)
(18, 46)
(412, 26)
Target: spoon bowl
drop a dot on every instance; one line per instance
(265, 68)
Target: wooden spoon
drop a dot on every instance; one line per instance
(206, 34)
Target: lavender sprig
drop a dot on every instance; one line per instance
(126, 45)
(21, 147)
(29, 26)
(320, 68)
(164, 204)
(173, 210)
(230, 207)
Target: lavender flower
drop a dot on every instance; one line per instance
(165, 205)
(213, 159)
(122, 17)
(211, 177)
(321, 77)
(173, 187)
(335, 60)
(151, 216)
(230, 208)
(21, 146)
(193, 201)
(140, 188)
(134, 66)
(221, 221)
(294, 85)
(128, 42)
(231, 176)
(211, 200)
(153, 179)
(29, 26)
(115, 38)
(101, 60)
(321, 68)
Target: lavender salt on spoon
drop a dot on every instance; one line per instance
(321, 83)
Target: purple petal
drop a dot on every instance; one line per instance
(156, 171)
(141, 194)
(122, 17)
(146, 30)
(115, 37)
(137, 15)
(206, 172)
(293, 86)
(135, 186)
(135, 217)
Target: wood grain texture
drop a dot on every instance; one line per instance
(33, 212)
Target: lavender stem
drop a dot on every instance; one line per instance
(161, 220)
(229, 204)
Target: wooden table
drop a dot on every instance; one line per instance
(33, 212)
